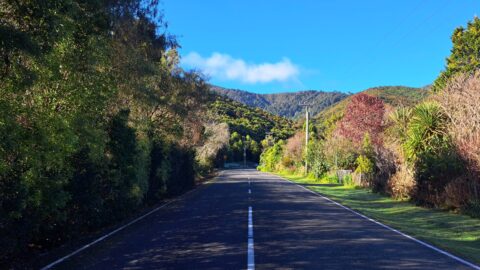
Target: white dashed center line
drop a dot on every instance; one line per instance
(250, 255)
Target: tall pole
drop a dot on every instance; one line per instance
(306, 140)
(245, 156)
(244, 152)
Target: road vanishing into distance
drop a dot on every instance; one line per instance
(246, 219)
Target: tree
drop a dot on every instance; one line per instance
(364, 114)
(464, 57)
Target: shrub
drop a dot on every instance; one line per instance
(364, 114)
(271, 157)
(340, 153)
(429, 152)
(294, 147)
(398, 125)
(401, 184)
(364, 165)
(316, 159)
(460, 101)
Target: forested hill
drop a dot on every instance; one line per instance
(251, 121)
(249, 125)
(284, 104)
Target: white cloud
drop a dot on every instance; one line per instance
(225, 67)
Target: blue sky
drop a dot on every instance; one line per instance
(268, 46)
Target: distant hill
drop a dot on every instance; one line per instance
(252, 121)
(284, 104)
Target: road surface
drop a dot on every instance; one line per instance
(290, 228)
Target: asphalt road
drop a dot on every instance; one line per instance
(292, 229)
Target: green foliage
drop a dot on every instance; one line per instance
(123, 193)
(429, 152)
(364, 165)
(464, 57)
(340, 153)
(316, 158)
(398, 125)
(367, 147)
(271, 157)
(427, 132)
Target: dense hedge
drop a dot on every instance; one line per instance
(96, 118)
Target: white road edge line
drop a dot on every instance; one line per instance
(458, 259)
(250, 249)
(121, 228)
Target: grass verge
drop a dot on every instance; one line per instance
(458, 234)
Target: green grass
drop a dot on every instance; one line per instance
(458, 234)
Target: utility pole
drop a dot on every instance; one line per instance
(306, 105)
(269, 138)
(244, 152)
(245, 156)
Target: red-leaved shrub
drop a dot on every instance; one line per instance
(364, 114)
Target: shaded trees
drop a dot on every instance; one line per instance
(96, 118)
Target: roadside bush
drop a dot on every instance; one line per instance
(429, 151)
(316, 159)
(401, 184)
(182, 175)
(294, 148)
(271, 157)
(395, 176)
(159, 171)
(340, 153)
(364, 171)
(288, 163)
(460, 100)
(458, 194)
